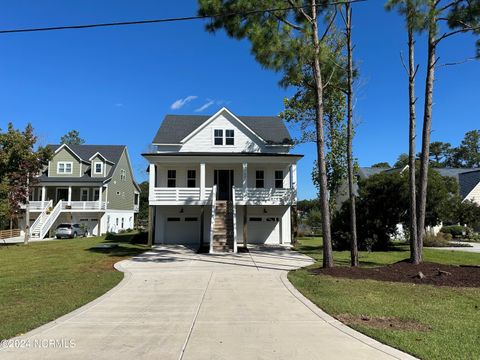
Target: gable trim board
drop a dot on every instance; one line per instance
(212, 118)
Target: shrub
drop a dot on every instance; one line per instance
(439, 240)
(456, 231)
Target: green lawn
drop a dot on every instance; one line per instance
(45, 280)
(451, 314)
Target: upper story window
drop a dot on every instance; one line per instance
(224, 137)
(136, 199)
(279, 179)
(171, 178)
(123, 175)
(64, 167)
(98, 168)
(191, 178)
(229, 137)
(218, 137)
(259, 179)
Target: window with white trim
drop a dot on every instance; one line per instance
(96, 195)
(218, 137)
(278, 179)
(84, 194)
(229, 137)
(98, 168)
(191, 178)
(123, 175)
(64, 167)
(259, 179)
(171, 178)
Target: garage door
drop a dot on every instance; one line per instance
(183, 230)
(263, 230)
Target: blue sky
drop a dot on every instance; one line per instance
(115, 85)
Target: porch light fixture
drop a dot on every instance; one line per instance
(264, 210)
(181, 211)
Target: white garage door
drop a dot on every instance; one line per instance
(182, 230)
(263, 230)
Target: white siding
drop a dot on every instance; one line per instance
(203, 140)
(474, 194)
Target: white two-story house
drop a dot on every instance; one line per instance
(221, 181)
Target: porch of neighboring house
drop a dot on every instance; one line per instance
(50, 205)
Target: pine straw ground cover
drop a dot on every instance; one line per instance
(427, 321)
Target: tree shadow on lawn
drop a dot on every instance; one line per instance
(122, 245)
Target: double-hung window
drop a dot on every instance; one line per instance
(279, 179)
(98, 168)
(229, 137)
(259, 179)
(218, 137)
(123, 175)
(191, 178)
(171, 178)
(64, 167)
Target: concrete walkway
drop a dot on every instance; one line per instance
(175, 304)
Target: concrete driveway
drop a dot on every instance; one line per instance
(175, 304)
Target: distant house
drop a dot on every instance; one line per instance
(221, 181)
(92, 185)
(468, 181)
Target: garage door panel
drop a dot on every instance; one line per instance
(263, 230)
(182, 230)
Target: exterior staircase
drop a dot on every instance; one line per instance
(45, 220)
(223, 237)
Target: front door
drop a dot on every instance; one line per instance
(62, 194)
(224, 181)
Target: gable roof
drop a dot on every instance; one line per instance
(175, 128)
(468, 181)
(111, 153)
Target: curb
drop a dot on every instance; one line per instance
(395, 353)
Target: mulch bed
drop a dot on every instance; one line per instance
(403, 271)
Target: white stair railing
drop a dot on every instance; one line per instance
(40, 219)
(50, 220)
(212, 221)
(234, 214)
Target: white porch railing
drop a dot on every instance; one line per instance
(36, 226)
(234, 220)
(179, 194)
(36, 205)
(262, 196)
(212, 221)
(84, 205)
(45, 220)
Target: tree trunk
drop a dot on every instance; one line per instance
(322, 169)
(427, 127)
(353, 215)
(414, 254)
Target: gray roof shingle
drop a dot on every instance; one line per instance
(174, 128)
(112, 153)
(468, 181)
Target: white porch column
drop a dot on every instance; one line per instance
(151, 180)
(202, 181)
(44, 194)
(100, 199)
(69, 195)
(293, 176)
(245, 176)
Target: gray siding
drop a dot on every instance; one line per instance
(125, 189)
(64, 155)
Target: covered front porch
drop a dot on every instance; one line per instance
(72, 197)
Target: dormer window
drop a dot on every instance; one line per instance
(98, 168)
(64, 167)
(218, 137)
(223, 137)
